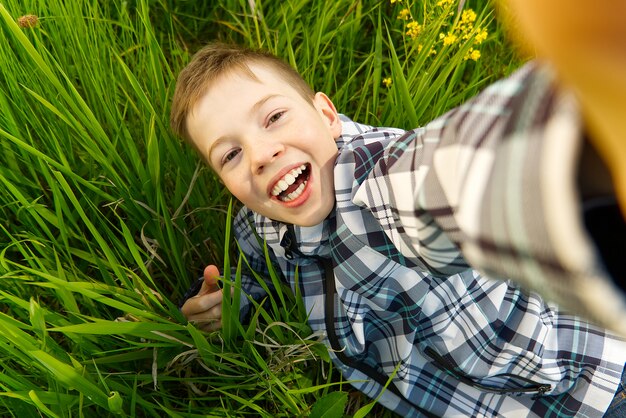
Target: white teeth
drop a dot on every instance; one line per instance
(288, 180)
(296, 193)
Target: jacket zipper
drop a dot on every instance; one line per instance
(290, 245)
(539, 388)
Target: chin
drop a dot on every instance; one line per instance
(307, 224)
(313, 219)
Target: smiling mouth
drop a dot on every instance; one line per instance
(291, 186)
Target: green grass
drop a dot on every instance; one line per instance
(106, 218)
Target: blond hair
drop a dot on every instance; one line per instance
(215, 60)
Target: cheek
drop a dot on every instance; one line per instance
(240, 188)
(234, 187)
(331, 153)
(231, 185)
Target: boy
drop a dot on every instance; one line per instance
(464, 345)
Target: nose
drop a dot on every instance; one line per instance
(264, 153)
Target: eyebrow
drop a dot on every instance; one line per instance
(255, 107)
(261, 102)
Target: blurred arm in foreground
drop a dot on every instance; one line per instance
(528, 179)
(586, 45)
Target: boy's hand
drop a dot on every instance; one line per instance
(587, 46)
(205, 309)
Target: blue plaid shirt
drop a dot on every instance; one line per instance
(390, 291)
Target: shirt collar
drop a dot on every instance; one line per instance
(314, 240)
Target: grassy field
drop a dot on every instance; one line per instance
(106, 218)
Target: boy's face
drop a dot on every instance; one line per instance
(273, 149)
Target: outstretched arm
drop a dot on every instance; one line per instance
(497, 178)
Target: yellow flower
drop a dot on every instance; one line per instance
(468, 16)
(27, 21)
(465, 28)
(404, 14)
(448, 39)
(472, 54)
(413, 29)
(395, 1)
(443, 3)
(481, 35)
(432, 51)
(387, 81)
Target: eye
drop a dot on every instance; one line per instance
(274, 118)
(230, 155)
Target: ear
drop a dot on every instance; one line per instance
(327, 109)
